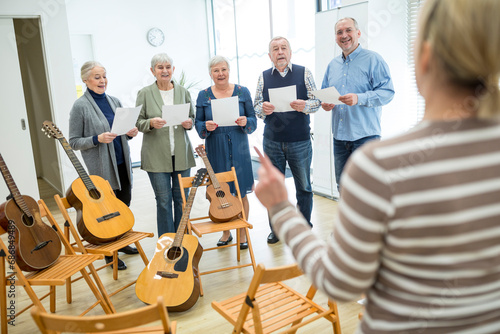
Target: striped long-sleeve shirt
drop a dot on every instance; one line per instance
(418, 231)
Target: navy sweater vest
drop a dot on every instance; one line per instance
(287, 126)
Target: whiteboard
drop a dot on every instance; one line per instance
(324, 182)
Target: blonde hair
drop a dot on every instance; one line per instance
(463, 37)
(87, 67)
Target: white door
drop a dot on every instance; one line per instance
(15, 141)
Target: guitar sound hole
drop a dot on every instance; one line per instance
(174, 253)
(220, 193)
(27, 221)
(94, 193)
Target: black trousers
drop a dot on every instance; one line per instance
(125, 194)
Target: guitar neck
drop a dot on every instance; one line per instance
(211, 173)
(185, 216)
(14, 191)
(76, 163)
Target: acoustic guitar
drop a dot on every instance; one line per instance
(37, 245)
(101, 217)
(223, 205)
(171, 271)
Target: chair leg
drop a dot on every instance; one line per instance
(336, 324)
(31, 293)
(98, 289)
(69, 296)
(250, 248)
(52, 299)
(141, 253)
(199, 279)
(115, 265)
(238, 256)
(3, 297)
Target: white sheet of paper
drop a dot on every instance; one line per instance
(281, 98)
(328, 95)
(175, 114)
(125, 119)
(225, 111)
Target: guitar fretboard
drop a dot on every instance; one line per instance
(185, 216)
(211, 173)
(14, 191)
(76, 163)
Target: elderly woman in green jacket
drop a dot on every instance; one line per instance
(166, 150)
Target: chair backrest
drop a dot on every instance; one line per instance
(70, 230)
(53, 323)
(63, 205)
(224, 177)
(277, 274)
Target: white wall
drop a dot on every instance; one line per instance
(386, 30)
(118, 32)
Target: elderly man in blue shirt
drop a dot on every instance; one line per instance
(362, 78)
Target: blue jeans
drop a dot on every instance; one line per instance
(166, 188)
(342, 150)
(299, 156)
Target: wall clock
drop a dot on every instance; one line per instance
(155, 37)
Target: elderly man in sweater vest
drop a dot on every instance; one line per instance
(287, 134)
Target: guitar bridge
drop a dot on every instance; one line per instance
(108, 216)
(225, 205)
(166, 274)
(40, 246)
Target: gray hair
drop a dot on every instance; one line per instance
(217, 59)
(356, 25)
(161, 58)
(87, 67)
(277, 38)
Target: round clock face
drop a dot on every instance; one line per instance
(155, 37)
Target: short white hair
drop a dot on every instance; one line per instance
(161, 58)
(278, 38)
(216, 60)
(87, 68)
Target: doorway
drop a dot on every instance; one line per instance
(29, 154)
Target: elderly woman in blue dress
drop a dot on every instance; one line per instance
(227, 146)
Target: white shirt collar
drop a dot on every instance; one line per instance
(289, 65)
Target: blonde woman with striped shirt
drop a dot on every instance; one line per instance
(419, 220)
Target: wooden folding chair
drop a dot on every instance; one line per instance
(57, 274)
(204, 225)
(108, 249)
(275, 306)
(125, 322)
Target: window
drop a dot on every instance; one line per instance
(417, 103)
(242, 31)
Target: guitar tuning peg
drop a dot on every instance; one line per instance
(48, 136)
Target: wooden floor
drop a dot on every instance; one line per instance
(201, 318)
